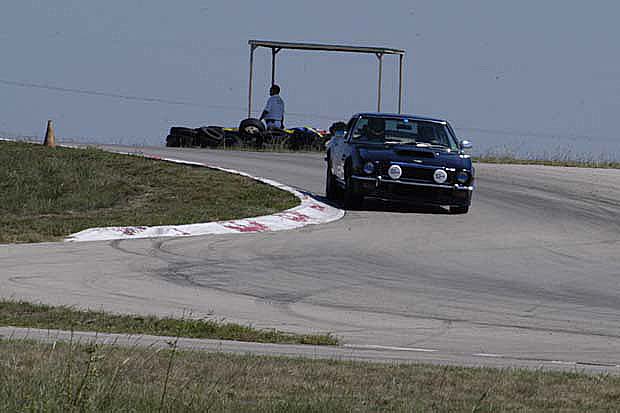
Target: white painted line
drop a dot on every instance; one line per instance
(568, 363)
(488, 355)
(377, 347)
(309, 212)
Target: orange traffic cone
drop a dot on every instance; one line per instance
(50, 140)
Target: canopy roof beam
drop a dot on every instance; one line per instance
(276, 47)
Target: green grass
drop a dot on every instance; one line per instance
(88, 378)
(49, 193)
(23, 314)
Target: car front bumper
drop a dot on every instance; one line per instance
(412, 191)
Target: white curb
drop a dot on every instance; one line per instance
(310, 212)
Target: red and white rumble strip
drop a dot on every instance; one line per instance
(310, 212)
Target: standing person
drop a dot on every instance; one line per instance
(274, 109)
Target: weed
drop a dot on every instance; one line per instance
(24, 314)
(50, 193)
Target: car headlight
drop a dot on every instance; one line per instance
(369, 168)
(462, 177)
(440, 176)
(395, 172)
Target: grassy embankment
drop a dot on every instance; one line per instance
(68, 377)
(49, 193)
(46, 194)
(23, 314)
(548, 162)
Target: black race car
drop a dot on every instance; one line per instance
(399, 157)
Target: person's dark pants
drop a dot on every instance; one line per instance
(272, 123)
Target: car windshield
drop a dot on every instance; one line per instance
(404, 131)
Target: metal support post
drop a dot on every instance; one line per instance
(380, 57)
(274, 52)
(400, 84)
(251, 76)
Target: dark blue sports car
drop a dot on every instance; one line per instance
(399, 157)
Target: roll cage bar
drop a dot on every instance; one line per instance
(277, 46)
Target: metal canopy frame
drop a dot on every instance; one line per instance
(377, 51)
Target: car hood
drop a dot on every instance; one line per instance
(412, 153)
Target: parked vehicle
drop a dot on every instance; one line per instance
(399, 157)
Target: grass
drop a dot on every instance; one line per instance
(585, 163)
(23, 314)
(90, 378)
(502, 157)
(49, 193)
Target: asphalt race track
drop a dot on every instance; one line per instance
(531, 275)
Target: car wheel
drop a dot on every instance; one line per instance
(251, 130)
(459, 209)
(331, 187)
(352, 200)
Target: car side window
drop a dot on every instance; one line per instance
(360, 127)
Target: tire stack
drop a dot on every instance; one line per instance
(210, 136)
(180, 137)
(306, 138)
(205, 137)
(252, 132)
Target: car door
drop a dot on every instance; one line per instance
(335, 152)
(341, 152)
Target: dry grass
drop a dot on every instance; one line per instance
(558, 157)
(49, 193)
(549, 162)
(23, 314)
(66, 377)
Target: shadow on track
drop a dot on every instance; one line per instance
(378, 205)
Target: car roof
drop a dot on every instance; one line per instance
(400, 116)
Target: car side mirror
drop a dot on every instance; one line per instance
(340, 134)
(465, 144)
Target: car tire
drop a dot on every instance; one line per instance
(179, 130)
(351, 199)
(250, 128)
(232, 141)
(459, 209)
(172, 141)
(214, 133)
(187, 141)
(332, 192)
(210, 136)
(186, 136)
(277, 138)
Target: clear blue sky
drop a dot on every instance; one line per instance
(529, 75)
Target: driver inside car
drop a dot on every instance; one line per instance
(376, 129)
(427, 135)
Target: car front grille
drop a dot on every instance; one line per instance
(411, 172)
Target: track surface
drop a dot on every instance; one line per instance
(530, 276)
